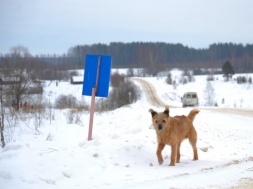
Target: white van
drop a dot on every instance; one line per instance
(190, 99)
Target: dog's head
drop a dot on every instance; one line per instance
(160, 120)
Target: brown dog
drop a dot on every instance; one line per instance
(172, 131)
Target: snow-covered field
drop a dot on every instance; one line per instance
(122, 153)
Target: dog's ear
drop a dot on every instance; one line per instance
(167, 111)
(153, 113)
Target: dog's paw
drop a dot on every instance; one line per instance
(172, 164)
(160, 162)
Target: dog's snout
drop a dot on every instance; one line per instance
(160, 127)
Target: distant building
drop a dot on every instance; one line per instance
(76, 80)
(9, 80)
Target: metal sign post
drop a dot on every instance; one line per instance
(92, 107)
(96, 81)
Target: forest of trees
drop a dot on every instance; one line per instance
(154, 56)
(159, 55)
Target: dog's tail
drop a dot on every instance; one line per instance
(192, 114)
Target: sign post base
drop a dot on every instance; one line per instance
(92, 110)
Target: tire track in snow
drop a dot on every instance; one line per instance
(237, 111)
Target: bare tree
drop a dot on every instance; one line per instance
(19, 72)
(17, 76)
(209, 94)
(2, 115)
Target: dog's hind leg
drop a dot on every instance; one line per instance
(159, 150)
(193, 142)
(195, 151)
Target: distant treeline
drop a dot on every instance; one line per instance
(163, 55)
(158, 56)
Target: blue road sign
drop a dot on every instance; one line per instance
(90, 76)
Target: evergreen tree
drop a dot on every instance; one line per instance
(250, 80)
(227, 70)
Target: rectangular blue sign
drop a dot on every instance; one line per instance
(90, 75)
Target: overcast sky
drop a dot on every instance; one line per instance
(53, 26)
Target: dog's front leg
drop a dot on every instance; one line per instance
(178, 152)
(173, 154)
(159, 150)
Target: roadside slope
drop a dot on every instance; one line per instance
(150, 93)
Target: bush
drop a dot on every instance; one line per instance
(117, 79)
(241, 79)
(73, 116)
(169, 79)
(250, 80)
(126, 93)
(66, 101)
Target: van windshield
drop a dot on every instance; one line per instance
(194, 96)
(188, 96)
